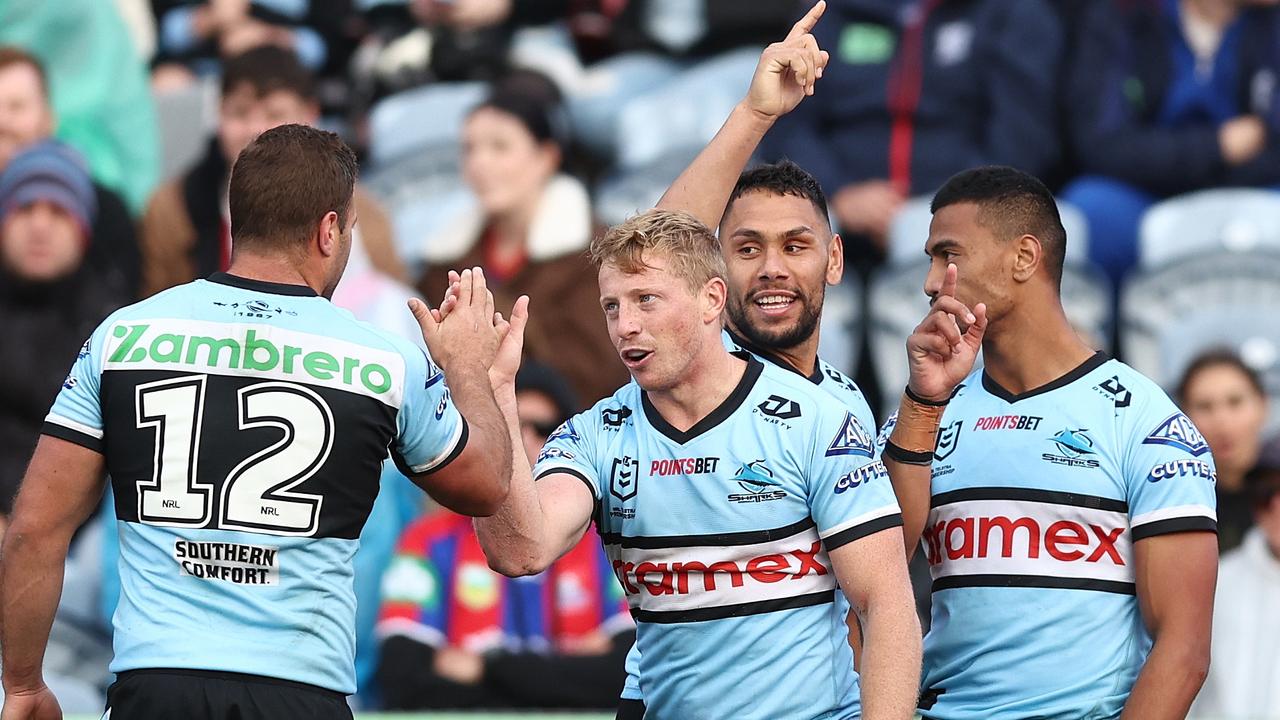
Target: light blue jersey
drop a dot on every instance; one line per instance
(244, 425)
(1038, 500)
(825, 376)
(719, 536)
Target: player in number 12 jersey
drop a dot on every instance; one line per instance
(243, 421)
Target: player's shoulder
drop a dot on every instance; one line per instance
(787, 395)
(609, 414)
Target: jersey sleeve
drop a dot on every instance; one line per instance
(76, 415)
(850, 496)
(412, 595)
(430, 430)
(1169, 473)
(886, 432)
(570, 450)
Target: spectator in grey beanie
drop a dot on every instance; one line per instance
(50, 298)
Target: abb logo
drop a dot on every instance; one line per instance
(977, 537)
(681, 578)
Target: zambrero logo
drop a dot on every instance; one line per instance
(179, 346)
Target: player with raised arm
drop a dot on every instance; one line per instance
(243, 421)
(733, 497)
(1070, 532)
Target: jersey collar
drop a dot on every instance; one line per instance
(815, 378)
(1093, 363)
(245, 283)
(715, 417)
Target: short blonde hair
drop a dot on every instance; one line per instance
(692, 248)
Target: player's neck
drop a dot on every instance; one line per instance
(802, 357)
(711, 379)
(272, 269)
(1032, 346)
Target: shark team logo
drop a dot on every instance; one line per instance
(759, 483)
(1075, 449)
(1178, 431)
(851, 440)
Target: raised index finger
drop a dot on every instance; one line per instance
(806, 24)
(949, 281)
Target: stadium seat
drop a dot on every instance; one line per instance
(186, 118)
(421, 191)
(910, 230)
(408, 121)
(1173, 313)
(1236, 219)
(898, 303)
(625, 192)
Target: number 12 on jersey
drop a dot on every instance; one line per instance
(257, 495)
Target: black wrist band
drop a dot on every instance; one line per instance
(906, 457)
(921, 401)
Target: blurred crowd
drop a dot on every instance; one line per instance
(507, 133)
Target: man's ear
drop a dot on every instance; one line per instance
(1027, 258)
(714, 295)
(328, 233)
(835, 260)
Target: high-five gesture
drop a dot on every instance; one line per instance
(942, 349)
(789, 69)
(466, 331)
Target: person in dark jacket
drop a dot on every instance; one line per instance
(26, 117)
(916, 92)
(1169, 96)
(51, 298)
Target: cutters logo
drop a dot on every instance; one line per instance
(851, 440)
(684, 466)
(1112, 388)
(779, 407)
(1073, 446)
(967, 538)
(614, 418)
(759, 483)
(566, 431)
(864, 474)
(1183, 468)
(1178, 431)
(624, 477)
(948, 438)
(682, 578)
(1008, 422)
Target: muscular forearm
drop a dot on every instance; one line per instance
(513, 537)
(890, 662)
(1169, 680)
(488, 446)
(30, 587)
(703, 189)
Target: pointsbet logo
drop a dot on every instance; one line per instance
(238, 349)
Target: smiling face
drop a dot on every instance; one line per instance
(780, 256)
(657, 322)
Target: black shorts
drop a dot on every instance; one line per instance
(162, 694)
(630, 710)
